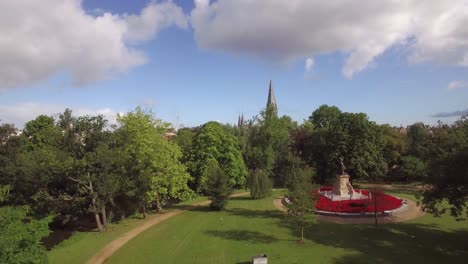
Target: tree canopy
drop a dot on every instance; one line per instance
(212, 142)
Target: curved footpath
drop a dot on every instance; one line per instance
(104, 254)
(413, 211)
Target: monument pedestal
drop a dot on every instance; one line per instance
(342, 186)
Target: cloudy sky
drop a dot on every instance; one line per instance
(399, 61)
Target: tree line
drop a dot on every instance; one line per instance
(65, 170)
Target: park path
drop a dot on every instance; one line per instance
(413, 211)
(105, 253)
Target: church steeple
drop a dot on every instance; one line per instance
(271, 98)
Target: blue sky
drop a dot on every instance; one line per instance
(189, 82)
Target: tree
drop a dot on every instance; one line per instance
(184, 140)
(41, 132)
(217, 186)
(448, 181)
(302, 201)
(446, 153)
(325, 116)
(213, 143)
(21, 234)
(268, 142)
(410, 169)
(152, 163)
(260, 186)
(395, 145)
(419, 138)
(350, 136)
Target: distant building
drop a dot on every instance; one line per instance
(402, 130)
(271, 98)
(240, 121)
(171, 133)
(271, 101)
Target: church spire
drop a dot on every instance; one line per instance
(271, 98)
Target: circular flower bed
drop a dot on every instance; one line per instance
(380, 200)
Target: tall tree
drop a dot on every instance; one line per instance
(269, 141)
(213, 143)
(153, 163)
(302, 201)
(260, 186)
(217, 186)
(350, 136)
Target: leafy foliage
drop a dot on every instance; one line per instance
(410, 169)
(260, 186)
(213, 143)
(21, 234)
(302, 201)
(343, 135)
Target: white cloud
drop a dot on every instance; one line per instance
(284, 31)
(41, 38)
(21, 113)
(454, 85)
(309, 64)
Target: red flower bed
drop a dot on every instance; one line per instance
(383, 201)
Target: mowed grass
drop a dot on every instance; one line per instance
(250, 227)
(81, 246)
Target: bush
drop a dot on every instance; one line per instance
(260, 186)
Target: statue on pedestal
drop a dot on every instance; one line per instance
(342, 185)
(343, 167)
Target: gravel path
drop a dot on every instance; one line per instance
(104, 254)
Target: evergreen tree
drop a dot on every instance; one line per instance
(260, 186)
(217, 186)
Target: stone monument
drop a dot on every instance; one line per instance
(342, 186)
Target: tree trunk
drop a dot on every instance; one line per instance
(158, 206)
(302, 234)
(93, 202)
(104, 215)
(98, 222)
(144, 211)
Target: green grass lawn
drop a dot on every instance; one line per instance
(83, 245)
(250, 227)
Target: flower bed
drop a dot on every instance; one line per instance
(382, 201)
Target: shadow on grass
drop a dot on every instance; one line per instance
(243, 235)
(255, 213)
(241, 198)
(391, 243)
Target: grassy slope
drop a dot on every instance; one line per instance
(83, 245)
(251, 227)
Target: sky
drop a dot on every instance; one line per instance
(196, 61)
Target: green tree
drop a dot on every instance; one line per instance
(269, 141)
(449, 181)
(153, 163)
(260, 186)
(41, 132)
(325, 116)
(21, 234)
(395, 145)
(302, 201)
(184, 140)
(350, 136)
(213, 143)
(217, 187)
(410, 169)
